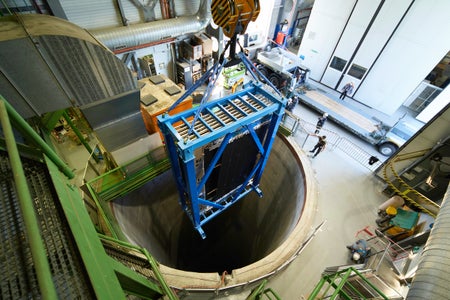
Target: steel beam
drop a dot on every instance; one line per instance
(220, 123)
(38, 252)
(27, 130)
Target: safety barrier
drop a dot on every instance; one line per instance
(130, 176)
(295, 126)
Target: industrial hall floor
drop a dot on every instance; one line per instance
(348, 200)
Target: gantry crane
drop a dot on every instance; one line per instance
(219, 150)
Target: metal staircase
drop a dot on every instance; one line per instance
(49, 247)
(19, 277)
(373, 279)
(350, 284)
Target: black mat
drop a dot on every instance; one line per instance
(157, 79)
(172, 90)
(148, 100)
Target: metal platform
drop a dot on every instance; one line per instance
(19, 279)
(220, 159)
(49, 247)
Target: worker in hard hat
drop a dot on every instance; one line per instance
(320, 122)
(359, 251)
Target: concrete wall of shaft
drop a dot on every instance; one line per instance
(251, 239)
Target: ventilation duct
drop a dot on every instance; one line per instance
(147, 33)
(433, 272)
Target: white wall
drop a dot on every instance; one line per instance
(326, 22)
(348, 42)
(419, 44)
(382, 27)
(262, 23)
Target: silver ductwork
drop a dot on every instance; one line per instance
(146, 33)
(433, 272)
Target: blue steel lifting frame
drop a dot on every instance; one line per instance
(267, 108)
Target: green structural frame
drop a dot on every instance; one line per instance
(337, 281)
(109, 278)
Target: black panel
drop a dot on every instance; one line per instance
(235, 165)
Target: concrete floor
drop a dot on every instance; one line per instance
(349, 196)
(348, 200)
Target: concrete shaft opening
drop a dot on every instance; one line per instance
(250, 239)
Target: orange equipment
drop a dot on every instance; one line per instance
(234, 15)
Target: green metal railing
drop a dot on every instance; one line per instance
(339, 286)
(25, 128)
(38, 252)
(51, 257)
(130, 176)
(261, 292)
(153, 264)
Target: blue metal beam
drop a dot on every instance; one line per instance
(226, 121)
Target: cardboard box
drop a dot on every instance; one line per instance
(191, 50)
(206, 42)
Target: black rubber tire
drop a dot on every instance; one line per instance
(263, 71)
(387, 149)
(275, 80)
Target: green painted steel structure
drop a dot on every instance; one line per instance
(338, 286)
(67, 253)
(26, 204)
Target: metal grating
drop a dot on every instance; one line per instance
(127, 258)
(215, 118)
(18, 278)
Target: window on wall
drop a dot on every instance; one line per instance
(357, 71)
(338, 63)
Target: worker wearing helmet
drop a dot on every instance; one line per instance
(320, 122)
(359, 251)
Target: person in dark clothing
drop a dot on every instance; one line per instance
(347, 89)
(321, 122)
(292, 102)
(320, 146)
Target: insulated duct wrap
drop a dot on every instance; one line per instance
(433, 273)
(49, 64)
(146, 33)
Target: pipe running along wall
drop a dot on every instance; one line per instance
(146, 33)
(248, 241)
(433, 272)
